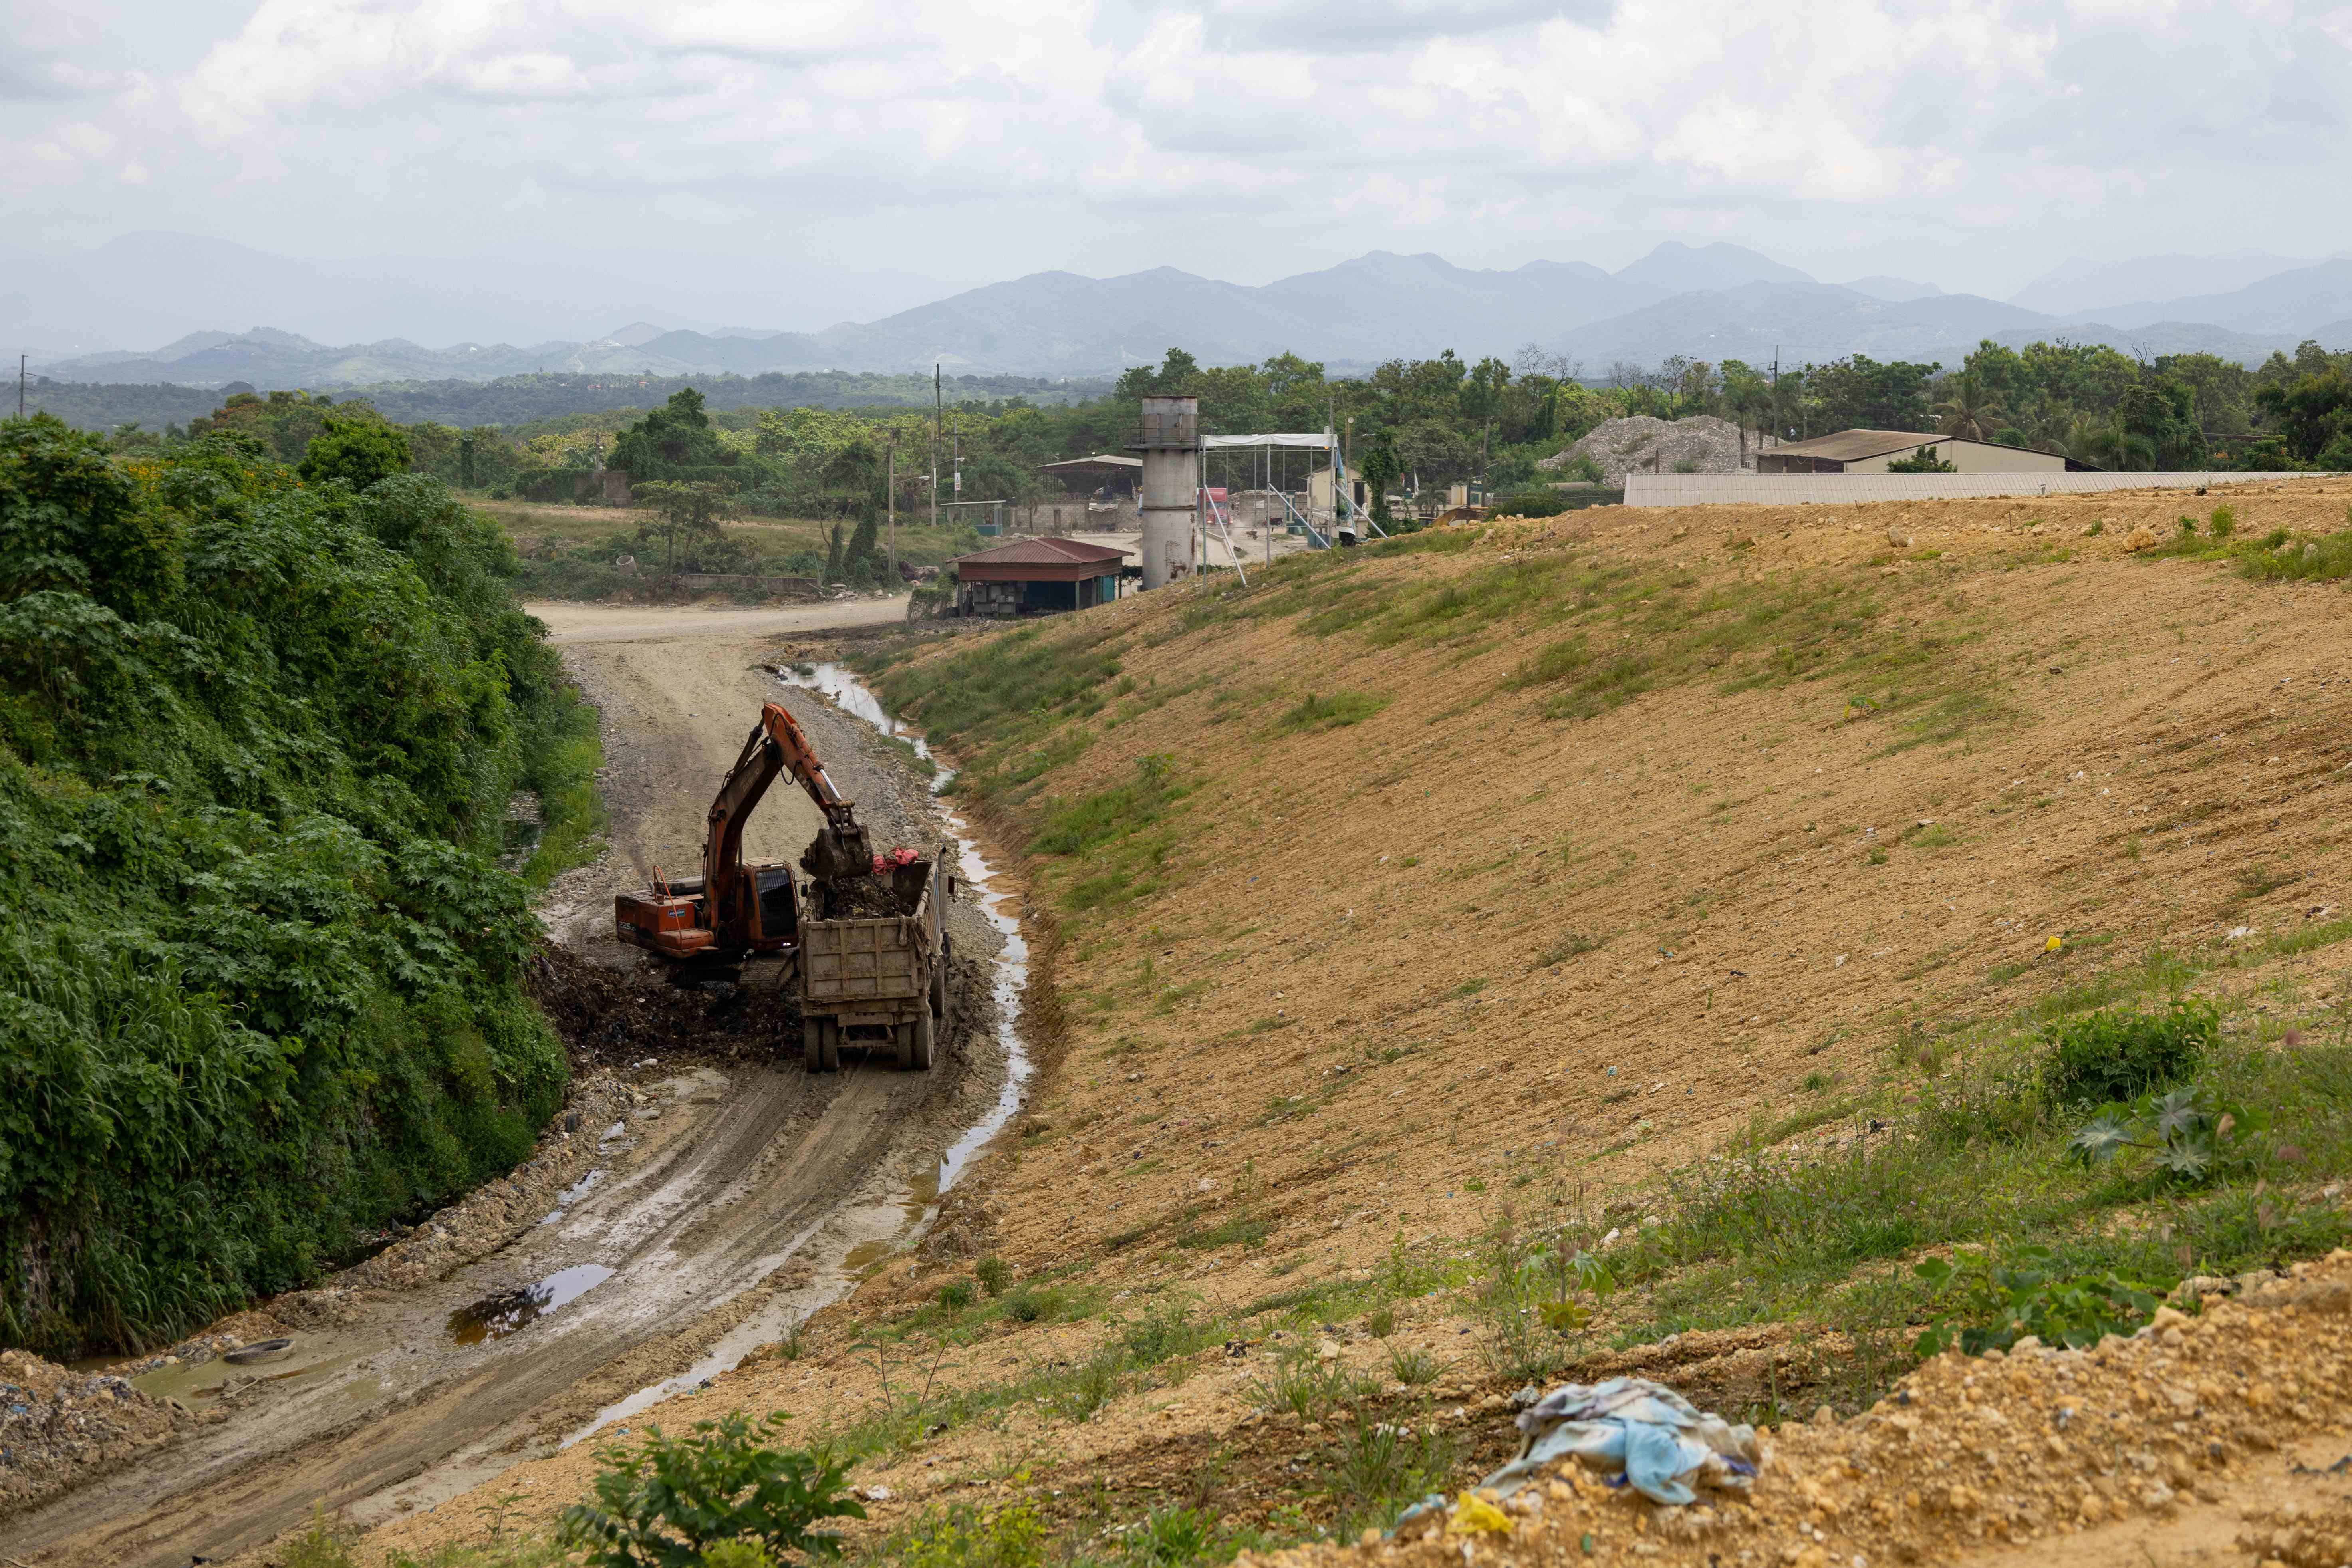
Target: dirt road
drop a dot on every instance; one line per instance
(731, 1195)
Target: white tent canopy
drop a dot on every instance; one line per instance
(1315, 440)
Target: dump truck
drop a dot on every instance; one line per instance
(873, 969)
(864, 938)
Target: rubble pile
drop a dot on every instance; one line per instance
(1702, 443)
(59, 1427)
(1968, 1455)
(611, 1016)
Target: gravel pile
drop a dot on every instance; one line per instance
(2182, 1426)
(1701, 444)
(59, 1427)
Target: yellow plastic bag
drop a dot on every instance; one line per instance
(1473, 1515)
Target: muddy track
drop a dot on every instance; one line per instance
(729, 1201)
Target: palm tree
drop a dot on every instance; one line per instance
(1968, 411)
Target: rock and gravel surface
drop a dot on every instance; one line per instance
(58, 1426)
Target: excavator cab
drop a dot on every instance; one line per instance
(672, 917)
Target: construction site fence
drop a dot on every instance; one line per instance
(1852, 489)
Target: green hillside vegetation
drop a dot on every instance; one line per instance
(260, 961)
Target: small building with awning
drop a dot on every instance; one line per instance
(1036, 577)
(1107, 474)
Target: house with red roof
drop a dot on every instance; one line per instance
(1037, 578)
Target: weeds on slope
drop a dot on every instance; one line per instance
(2280, 555)
(1975, 1156)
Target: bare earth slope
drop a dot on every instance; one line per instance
(1676, 884)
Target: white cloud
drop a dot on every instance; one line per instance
(1201, 132)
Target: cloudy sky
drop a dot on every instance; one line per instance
(812, 163)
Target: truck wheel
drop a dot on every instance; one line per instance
(919, 1056)
(813, 1044)
(832, 1046)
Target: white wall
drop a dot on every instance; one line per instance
(1834, 489)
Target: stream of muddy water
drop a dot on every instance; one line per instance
(920, 1198)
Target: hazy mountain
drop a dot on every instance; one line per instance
(1351, 316)
(2168, 338)
(1894, 290)
(1383, 305)
(1796, 322)
(2291, 304)
(2081, 288)
(147, 287)
(1675, 268)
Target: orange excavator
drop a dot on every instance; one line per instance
(734, 911)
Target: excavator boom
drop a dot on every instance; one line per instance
(727, 917)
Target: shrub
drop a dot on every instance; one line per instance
(1987, 1300)
(662, 1503)
(1544, 502)
(2183, 1137)
(962, 1536)
(994, 1274)
(2115, 1055)
(955, 1295)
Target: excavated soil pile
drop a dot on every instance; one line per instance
(611, 1017)
(2205, 1428)
(60, 1427)
(865, 898)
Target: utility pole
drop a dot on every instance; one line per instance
(935, 443)
(890, 499)
(20, 386)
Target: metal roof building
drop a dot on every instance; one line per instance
(1869, 452)
(1036, 576)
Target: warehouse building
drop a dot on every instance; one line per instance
(1870, 452)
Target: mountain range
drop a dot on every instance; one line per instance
(1712, 303)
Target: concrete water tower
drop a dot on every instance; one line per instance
(1170, 447)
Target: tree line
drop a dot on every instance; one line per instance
(1429, 422)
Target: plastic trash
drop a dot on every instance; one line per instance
(1635, 1432)
(1473, 1515)
(1640, 1431)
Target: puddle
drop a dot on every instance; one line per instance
(865, 1255)
(198, 1381)
(573, 1194)
(495, 1316)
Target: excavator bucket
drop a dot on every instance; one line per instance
(838, 852)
